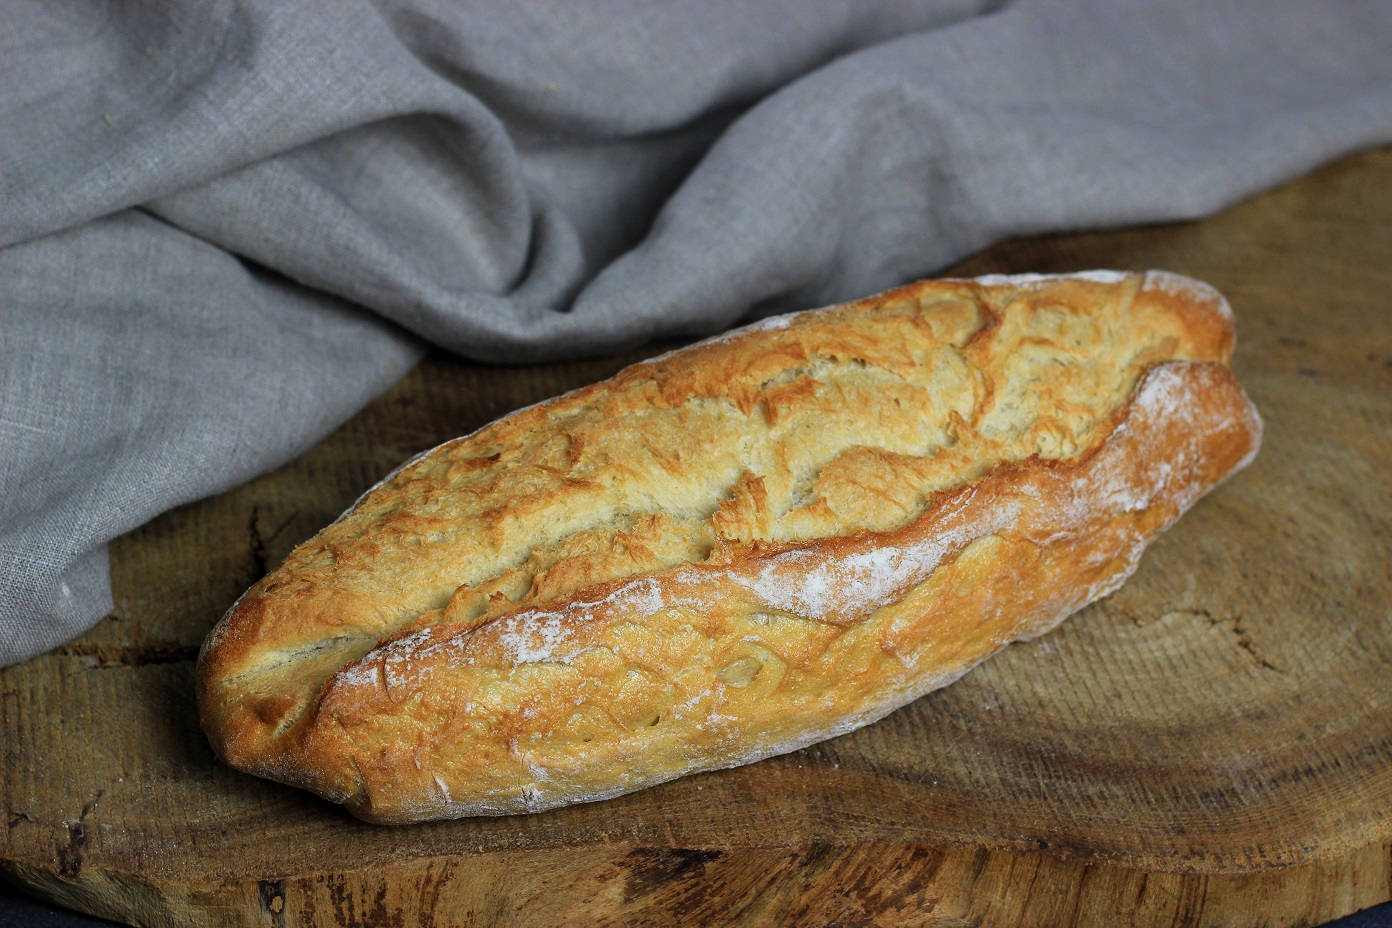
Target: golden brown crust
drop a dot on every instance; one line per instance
(737, 549)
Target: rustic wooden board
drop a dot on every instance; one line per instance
(1210, 745)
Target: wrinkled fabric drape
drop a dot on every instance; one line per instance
(227, 226)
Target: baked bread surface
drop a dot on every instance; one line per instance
(734, 550)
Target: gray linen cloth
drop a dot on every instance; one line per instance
(227, 226)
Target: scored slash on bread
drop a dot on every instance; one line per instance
(734, 550)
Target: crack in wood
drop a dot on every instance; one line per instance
(650, 869)
(260, 543)
(1242, 638)
(104, 655)
(70, 855)
(272, 897)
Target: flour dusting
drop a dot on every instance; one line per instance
(1187, 287)
(1031, 280)
(534, 635)
(823, 586)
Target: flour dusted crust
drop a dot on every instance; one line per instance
(732, 551)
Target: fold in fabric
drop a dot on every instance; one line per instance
(227, 227)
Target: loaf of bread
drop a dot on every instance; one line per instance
(737, 549)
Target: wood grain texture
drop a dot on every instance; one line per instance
(1211, 745)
